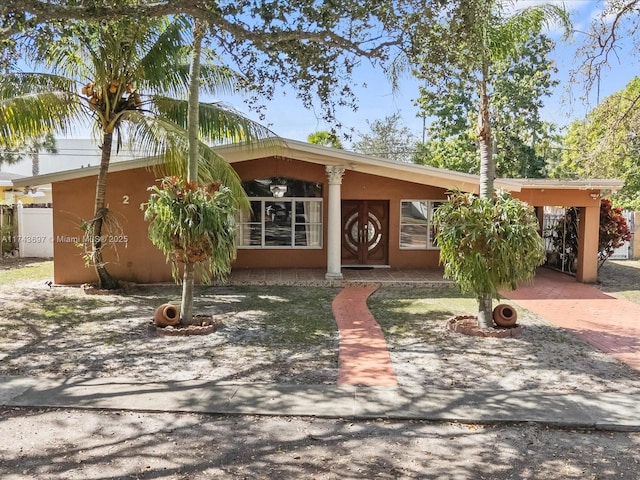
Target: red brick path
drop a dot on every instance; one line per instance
(610, 324)
(363, 356)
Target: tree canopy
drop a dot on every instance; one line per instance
(606, 144)
(387, 138)
(309, 45)
(518, 86)
(128, 79)
(327, 139)
(465, 44)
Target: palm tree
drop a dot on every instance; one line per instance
(31, 149)
(324, 138)
(467, 40)
(128, 79)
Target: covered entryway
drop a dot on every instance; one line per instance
(365, 232)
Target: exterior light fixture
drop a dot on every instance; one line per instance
(278, 191)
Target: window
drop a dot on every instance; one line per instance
(416, 228)
(279, 221)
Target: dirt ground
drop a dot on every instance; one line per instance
(55, 339)
(70, 444)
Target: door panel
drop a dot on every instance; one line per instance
(365, 229)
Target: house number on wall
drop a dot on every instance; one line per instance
(125, 199)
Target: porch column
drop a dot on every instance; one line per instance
(588, 232)
(334, 224)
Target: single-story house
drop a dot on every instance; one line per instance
(312, 207)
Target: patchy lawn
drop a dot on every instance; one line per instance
(288, 335)
(621, 278)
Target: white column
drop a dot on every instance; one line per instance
(334, 224)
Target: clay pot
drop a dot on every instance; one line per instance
(166, 315)
(505, 315)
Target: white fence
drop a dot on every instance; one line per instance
(626, 251)
(35, 232)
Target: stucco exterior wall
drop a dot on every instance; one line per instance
(359, 186)
(355, 186)
(131, 256)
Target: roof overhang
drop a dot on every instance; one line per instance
(327, 156)
(607, 184)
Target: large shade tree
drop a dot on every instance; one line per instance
(519, 85)
(387, 138)
(128, 79)
(606, 144)
(308, 45)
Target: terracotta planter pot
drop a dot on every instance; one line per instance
(505, 315)
(167, 314)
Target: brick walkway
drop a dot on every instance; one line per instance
(610, 324)
(363, 358)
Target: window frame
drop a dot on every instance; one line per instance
(293, 224)
(432, 204)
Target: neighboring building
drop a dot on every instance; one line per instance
(313, 207)
(71, 154)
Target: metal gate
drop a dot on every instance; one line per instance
(560, 254)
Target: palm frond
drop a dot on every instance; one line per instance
(22, 83)
(219, 123)
(166, 144)
(32, 115)
(220, 80)
(506, 39)
(165, 65)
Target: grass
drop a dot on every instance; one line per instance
(14, 270)
(294, 315)
(407, 312)
(272, 334)
(621, 278)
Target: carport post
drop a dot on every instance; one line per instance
(588, 232)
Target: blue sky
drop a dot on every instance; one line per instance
(286, 116)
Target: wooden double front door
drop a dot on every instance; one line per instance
(365, 232)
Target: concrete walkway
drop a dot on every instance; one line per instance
(610, 324)
(363, 357)
(589, 411)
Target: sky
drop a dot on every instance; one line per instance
(287, 117)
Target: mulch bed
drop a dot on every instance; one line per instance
(205, 325)
(468, 325)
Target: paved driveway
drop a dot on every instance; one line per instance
(609, 323)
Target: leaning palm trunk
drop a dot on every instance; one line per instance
(105, 280)
(194, 154)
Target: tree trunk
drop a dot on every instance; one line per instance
(193, 128)
(487, 165)
(35, 163)
(105, 280)
(186, 306)
(485, 311)
(487, 176)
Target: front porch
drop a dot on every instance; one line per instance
(350, 276)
